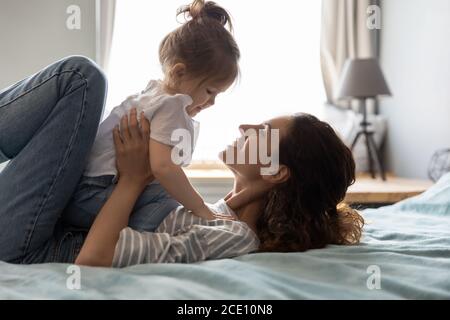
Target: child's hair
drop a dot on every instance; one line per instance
(202, 43)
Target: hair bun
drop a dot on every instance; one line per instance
(199, 9)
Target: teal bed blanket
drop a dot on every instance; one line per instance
(404, 254)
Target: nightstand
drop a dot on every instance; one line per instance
(368, 193)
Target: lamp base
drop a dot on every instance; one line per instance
(372, 151)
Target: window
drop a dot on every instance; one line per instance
(280, 62)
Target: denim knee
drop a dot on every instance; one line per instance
(81, 62)
(88, 67)
(92, 73)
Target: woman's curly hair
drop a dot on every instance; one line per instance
(306, 211)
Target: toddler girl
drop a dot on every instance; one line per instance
(199, 61)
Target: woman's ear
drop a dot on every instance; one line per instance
(282, 175)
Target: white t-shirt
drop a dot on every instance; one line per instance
(165, 112)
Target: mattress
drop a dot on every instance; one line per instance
(404, 254)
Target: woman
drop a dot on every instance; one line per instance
(293, 210)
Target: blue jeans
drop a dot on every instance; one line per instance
(48, 123)
(152, 206)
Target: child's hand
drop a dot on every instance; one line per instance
(132, 150)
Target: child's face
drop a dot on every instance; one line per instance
(203, 94)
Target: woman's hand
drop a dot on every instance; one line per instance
(132, 150)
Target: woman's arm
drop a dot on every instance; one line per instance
(98, 248)
(174, 180)
(132, 154)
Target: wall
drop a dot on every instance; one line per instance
(415, 56)
(33, 34)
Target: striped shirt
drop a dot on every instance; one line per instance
(185, 238)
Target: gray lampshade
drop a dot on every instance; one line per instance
(361, 78)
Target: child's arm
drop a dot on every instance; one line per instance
(174, 180)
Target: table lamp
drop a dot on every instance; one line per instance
(363, 79)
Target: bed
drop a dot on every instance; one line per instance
(404, 254)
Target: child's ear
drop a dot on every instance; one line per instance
(178, 71)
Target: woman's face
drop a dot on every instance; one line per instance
(255, 153)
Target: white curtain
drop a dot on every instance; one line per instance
(344, 34)
(105, 12)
